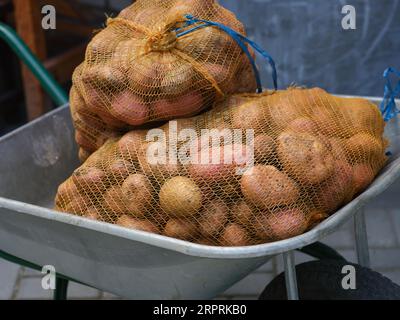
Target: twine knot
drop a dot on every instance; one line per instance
(162, 41)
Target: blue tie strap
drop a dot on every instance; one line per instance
(388, 105)
(241, 40)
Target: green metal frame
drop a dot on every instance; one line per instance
(59, 96)
(60, 292)
(322, 251)
(49, 84)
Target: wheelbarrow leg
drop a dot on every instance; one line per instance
(290, 275)
(60, 293)
(360, 229)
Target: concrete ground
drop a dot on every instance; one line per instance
(383, 223)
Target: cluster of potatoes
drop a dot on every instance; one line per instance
(137, 71)
(313, 153)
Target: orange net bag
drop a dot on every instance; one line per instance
(255, 169)
(137, 70)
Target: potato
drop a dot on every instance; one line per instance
(264, 148)
(315, 218)
(267, 187)
(216, 40)
(125, 52)
(92, 213)
(177, 77)
(77, 206)
(222, 75)
(231, 103)
(218, 164)
(183, 106)
(229, 191)
(330, 123)
(137, 224)
(89, 178)
(129, 108)
(137, 194)
(131, 144)
(180, 229)
(242, 214)
(88, 121)
(102, 46)
(189, 43)
(104, 76)
(213, 38)
(362, 116)
(363, 175)
(181, 124)
(85, 141)
(235, 236)
(244, 80)
(251, 115)
(280, 225)
(66, 192)
(321, 107)
(147, 16)
(183, 7)
(363, 146)
(338, 188)
(103, 137)
(305, 157)
(144, 72)
(97, 102)
(156, 214)
(303, 125)
(283, 112)
(307, 100)
(120, 169)
(337, 147)
(95, 113)
(213, 218)
(83, 154)
(180, 197)
(205, 241)
(76, 100)
(113, 201)
(111, 121)
(158, 170)
(210, 140)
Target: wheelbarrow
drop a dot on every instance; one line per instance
(37, 157)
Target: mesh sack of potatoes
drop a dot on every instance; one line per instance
(255, 169)
(137, 70)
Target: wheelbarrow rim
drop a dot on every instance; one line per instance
(392, 172)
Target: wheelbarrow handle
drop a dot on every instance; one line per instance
(49, 84)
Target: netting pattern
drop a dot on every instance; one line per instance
(311, 153)
(137, 71)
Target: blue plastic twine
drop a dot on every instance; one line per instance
(241, 41)
(388, 105)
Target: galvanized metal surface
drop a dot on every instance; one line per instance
(361, 235)
(129, 263)
(290, 275)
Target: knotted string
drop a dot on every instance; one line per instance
(240, 40)
(388, 105)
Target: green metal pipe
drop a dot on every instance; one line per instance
(321, 251)
(49, 84)
(21, 262)
(61, 291)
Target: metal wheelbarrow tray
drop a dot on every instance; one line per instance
(36, 158)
